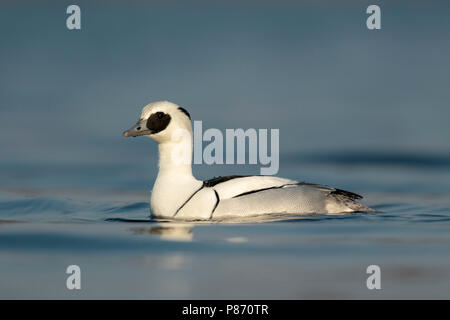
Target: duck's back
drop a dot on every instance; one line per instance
(243, 196)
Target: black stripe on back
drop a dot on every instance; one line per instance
(263, 189)
(216, 180)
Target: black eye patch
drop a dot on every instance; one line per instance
(158, 121)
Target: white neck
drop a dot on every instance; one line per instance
(175, 182)
(175, 158)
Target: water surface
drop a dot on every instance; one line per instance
(358, 110)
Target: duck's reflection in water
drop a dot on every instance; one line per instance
(170, 231)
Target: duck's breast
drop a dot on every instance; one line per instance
(200, 206)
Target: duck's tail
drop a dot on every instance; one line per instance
(347, 201)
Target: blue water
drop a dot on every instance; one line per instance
(358, 110)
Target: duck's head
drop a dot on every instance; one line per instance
(159, 121)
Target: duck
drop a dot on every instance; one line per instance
(178, 195)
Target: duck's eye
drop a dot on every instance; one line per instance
(158, 121)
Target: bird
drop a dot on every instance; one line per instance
(178, 195)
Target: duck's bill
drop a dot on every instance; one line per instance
(139, 129)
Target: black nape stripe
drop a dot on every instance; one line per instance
(217, 203)
(185, 112)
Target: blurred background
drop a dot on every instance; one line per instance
(358, 109)
(336, 90)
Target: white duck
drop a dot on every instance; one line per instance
(178, 194)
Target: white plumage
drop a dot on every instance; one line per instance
(177, 194)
